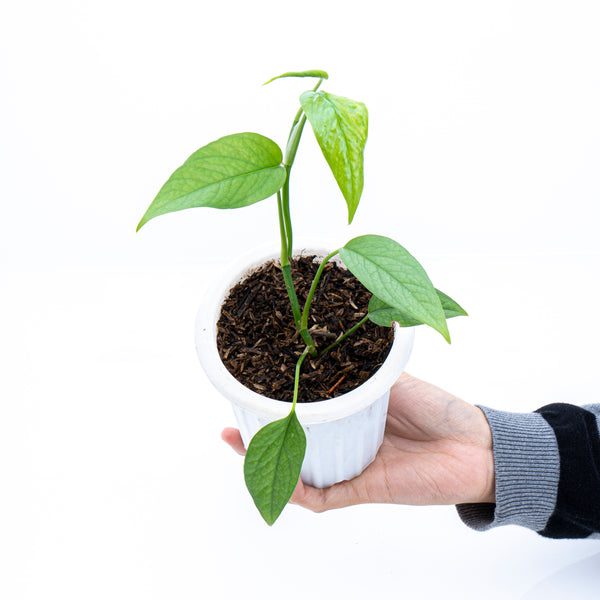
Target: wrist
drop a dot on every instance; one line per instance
(486, 489)
(527, 468)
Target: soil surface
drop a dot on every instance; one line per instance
(259, 344)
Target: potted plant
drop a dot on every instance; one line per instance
(331, 439)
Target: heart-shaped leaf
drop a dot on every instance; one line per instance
(273, 463)
(341, 127)
(313, 73)
(234, 171)
(383, 314)
(391, 273)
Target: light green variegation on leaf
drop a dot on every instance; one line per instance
(383, 314)
(340, 126)
(234, 171)
(391, 273)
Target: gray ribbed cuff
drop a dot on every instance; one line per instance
(594, 408)
(526, 465)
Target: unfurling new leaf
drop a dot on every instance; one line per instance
(341, 127)
(234, 171)
(314, 73)
(273, 463)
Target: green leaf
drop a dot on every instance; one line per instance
(340, 126)
(389, 272)
(273, 463)
(234, 171)
(313, 73)
(451, 307)
(383, 314)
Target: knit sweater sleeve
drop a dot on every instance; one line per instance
(547, 469)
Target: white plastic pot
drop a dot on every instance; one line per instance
(343, 434)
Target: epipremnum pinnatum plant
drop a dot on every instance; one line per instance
(244, 168)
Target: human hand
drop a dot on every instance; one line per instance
(436, 449)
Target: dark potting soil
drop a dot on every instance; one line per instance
(259, 344)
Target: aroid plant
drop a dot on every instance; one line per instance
(244, 168)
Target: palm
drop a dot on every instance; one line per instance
(431, 449)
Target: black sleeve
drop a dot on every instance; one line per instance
(577, 510)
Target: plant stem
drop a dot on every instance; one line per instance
(294, 138)
(295, 133)
(286, 212)
(288, 160)
(345, 335)
(285, 222)
(297, 377)
(313, 289)
(284, 249)
(286, 268)
(289, 286)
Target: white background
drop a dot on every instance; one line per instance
(482, 160)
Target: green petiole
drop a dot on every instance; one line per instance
(297, 377)
(311, 293)
(286, 268)
(345, 335)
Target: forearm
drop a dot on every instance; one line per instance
(547, 467)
